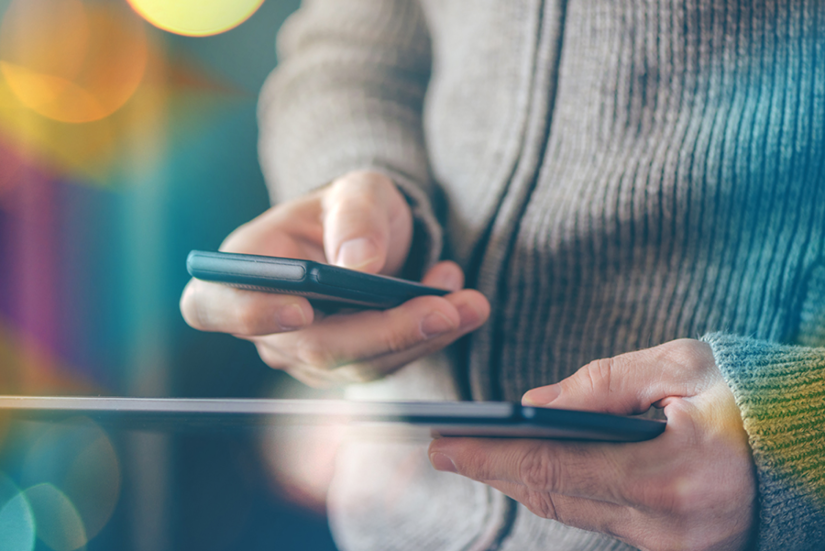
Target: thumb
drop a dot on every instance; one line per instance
(631, 383)
(360, 221)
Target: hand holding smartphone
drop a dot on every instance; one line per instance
(322, 284)
(322, 324)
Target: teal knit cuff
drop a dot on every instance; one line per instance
(780, 391)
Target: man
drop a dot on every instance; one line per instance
(616, 180)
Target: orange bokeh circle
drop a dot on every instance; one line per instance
(71, 62)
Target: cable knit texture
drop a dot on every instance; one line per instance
(614, 175)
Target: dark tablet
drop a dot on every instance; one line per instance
(322, 284)
(406, 419)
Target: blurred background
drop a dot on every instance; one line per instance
(127, 138)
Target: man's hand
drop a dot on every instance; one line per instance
(361, 221)
(692, 488)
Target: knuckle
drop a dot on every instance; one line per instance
(400, 339)
(315, 354)
(269, 356)
(542, 505)
(356, 202)
(672, 496)
(538, 469)
(366, 178)
(250, 321)
(355, 187)
(476, 466)
(690, 354)
(311, 377)
(353, 215)
(598, 375)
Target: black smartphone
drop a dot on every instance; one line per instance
(325, 286)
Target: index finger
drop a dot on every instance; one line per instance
(576, 469)
(214, 307)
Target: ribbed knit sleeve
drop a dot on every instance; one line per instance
(347, 95)
(780, 391)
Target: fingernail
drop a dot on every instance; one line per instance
(441, 462)
(541, 396)
(436, 324)
(469, 315)
(356, 253)
(450, 281)
(291, 317)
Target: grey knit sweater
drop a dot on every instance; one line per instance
(612, 174)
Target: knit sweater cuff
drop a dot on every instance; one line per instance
(780, 391)
(428, 237)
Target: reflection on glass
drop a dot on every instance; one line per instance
(58, 523)
(16, 518)
(77, 457)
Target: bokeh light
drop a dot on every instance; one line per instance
(196, 17)
(16, 518)
(78, 458)
(58, 523)
(9, 176)
(71, 62)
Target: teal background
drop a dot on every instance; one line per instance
(90, 278)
